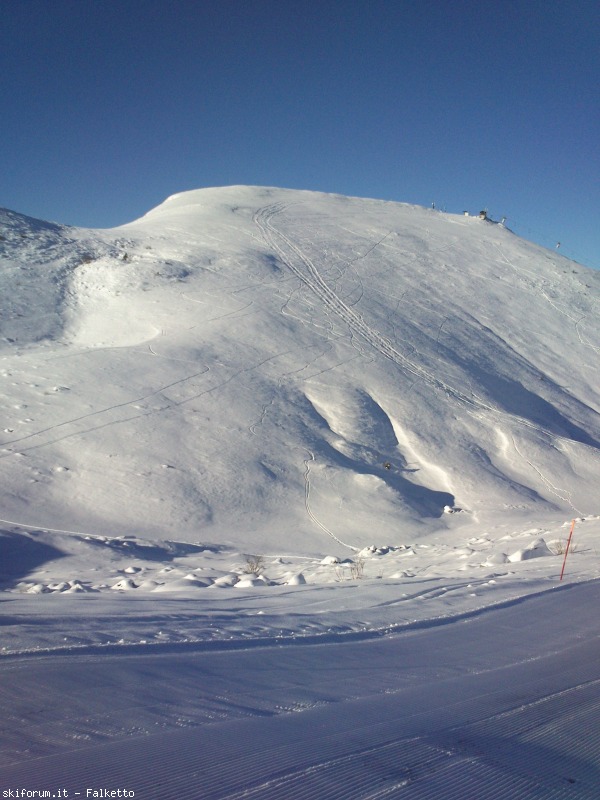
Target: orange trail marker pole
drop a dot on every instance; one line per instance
(567, 549)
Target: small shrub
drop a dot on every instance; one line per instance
(355, 570)
(559, 547)
(254, 565)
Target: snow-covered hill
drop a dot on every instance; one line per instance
(272, 445)
(273, 368)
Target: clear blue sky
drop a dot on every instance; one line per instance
(109, 106)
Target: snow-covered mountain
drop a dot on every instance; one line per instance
(232, 434)
(264, 367)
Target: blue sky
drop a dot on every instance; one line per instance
(109, 106)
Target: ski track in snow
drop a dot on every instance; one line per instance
(541, 288)
(318, 523)
(97, 413)
(304, 268)
(169, 406)
(301, 265)
(562, 494)
(447, 716)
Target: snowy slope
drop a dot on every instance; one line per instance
(498, 707)
(286, 485)
(238, 366)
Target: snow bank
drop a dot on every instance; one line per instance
(537, 549)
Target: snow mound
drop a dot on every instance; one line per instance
(495, 559)
(226, 580)
(251, 581)
(537, 549)
(296, 580)
(125, 585)
(183, 584)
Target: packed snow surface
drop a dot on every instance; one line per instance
(267, 451)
